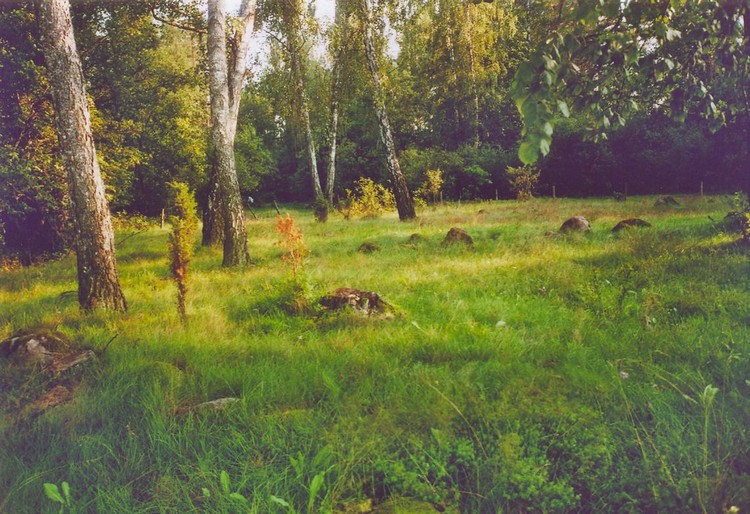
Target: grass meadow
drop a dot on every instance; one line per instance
(533, 373)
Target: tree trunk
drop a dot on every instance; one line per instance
(304, 111)
(213, 224)
(334, 106)
(467, 26)
(404, 201)
(225, 90)
(332, 130)
(98, 282)
(292, 13)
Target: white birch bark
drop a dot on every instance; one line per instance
(98, 281)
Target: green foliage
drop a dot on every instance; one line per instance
(184, 221)
(53, 493)
(33, 209)
(368, 200)
(609, 37)
(430, 189)
(523, 181)
(253, 159)
(739, 216)
(517, 377)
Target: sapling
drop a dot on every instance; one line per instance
(184, 223)
(294, 253)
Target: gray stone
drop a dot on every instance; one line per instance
(575, 224)
(458, 236)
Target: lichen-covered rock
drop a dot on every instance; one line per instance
(458, 236)
(575, 224)
(631, 223)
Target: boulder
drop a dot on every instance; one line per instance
(368, 247)
(458, 236)
(666, 201)
(575, 224)
(631, 223)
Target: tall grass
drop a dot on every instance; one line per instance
(533, 373)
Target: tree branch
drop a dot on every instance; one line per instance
(175, 24)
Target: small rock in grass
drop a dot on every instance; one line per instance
(368, 247)
(666, 201)
(575, 224)
(218, 404)
(631, 223)
(415, 238)
(458, 236)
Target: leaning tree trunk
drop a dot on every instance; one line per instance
(225, 90)
(404, 201)
(98, 283)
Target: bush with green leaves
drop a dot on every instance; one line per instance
(523, 181)
(368, 200)
(431, 188)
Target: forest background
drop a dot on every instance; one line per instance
(447, 70)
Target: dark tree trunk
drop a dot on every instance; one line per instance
(213, 225)
(404, 201)
(225, 92)
(98, 282)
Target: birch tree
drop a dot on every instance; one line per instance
(404, 201)
(98, 281)
(227, 72)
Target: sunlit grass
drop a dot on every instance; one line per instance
(533, 372)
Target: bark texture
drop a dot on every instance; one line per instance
(334, 105)
(98, 282)
(299, 84)
(404, 201)
(225, 85)
(292, 17)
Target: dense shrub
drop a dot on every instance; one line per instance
(33, 213)
(367, 200)
(523, 181)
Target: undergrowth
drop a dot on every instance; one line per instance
(535, 373)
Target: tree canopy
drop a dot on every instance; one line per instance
(605, 95)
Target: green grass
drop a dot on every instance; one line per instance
(533, 373)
